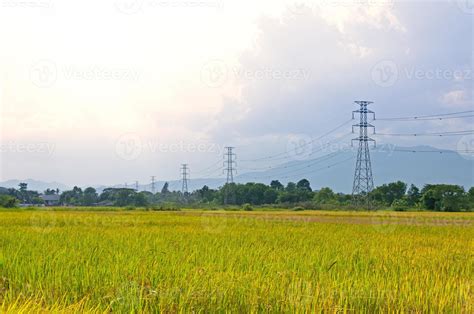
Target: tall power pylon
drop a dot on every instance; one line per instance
(136, 186)
(185, 174)
(153, 184)
(363, 179)
(229, 164)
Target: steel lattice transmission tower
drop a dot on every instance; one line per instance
(229, 168)
(363, 179)
(185, 178)
(229, 164)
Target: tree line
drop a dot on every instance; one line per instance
(396, 195)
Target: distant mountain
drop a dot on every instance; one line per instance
(425, 165)
(388, 165)
(34, 185)
(335, 171)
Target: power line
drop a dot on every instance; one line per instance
(210, 167)
(318, 169)
(428, 117)
(311, 164)
(452, 133)
(327, 145)
(273, 156)
(433, 151)
(212, 171)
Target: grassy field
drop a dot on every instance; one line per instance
(236, 261)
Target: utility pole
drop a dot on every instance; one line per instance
(229, 168)
(153, 184)
(363, 179)
(185, 174)
(230, 164)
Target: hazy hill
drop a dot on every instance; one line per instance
(34, 185)
(418, 168)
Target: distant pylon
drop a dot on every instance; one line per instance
(153, 184)
(229, 164)
(136, 186)
(185, 178)
(363, 179)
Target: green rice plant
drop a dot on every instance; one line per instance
(221, 261)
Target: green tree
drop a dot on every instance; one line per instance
(165, 189)
(276, 185)
(206, 194)
(89, 196)
(304, 185)
(23, 187)
(8, 201)
(270, 196)
(413, 195)
(444, 197)
(141, 199)
(470, 196)
(290, 187)
(324, 196)
(387, 193)
(49, 192)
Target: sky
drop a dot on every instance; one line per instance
(114, 91)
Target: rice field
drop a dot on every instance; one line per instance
(216, 261)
